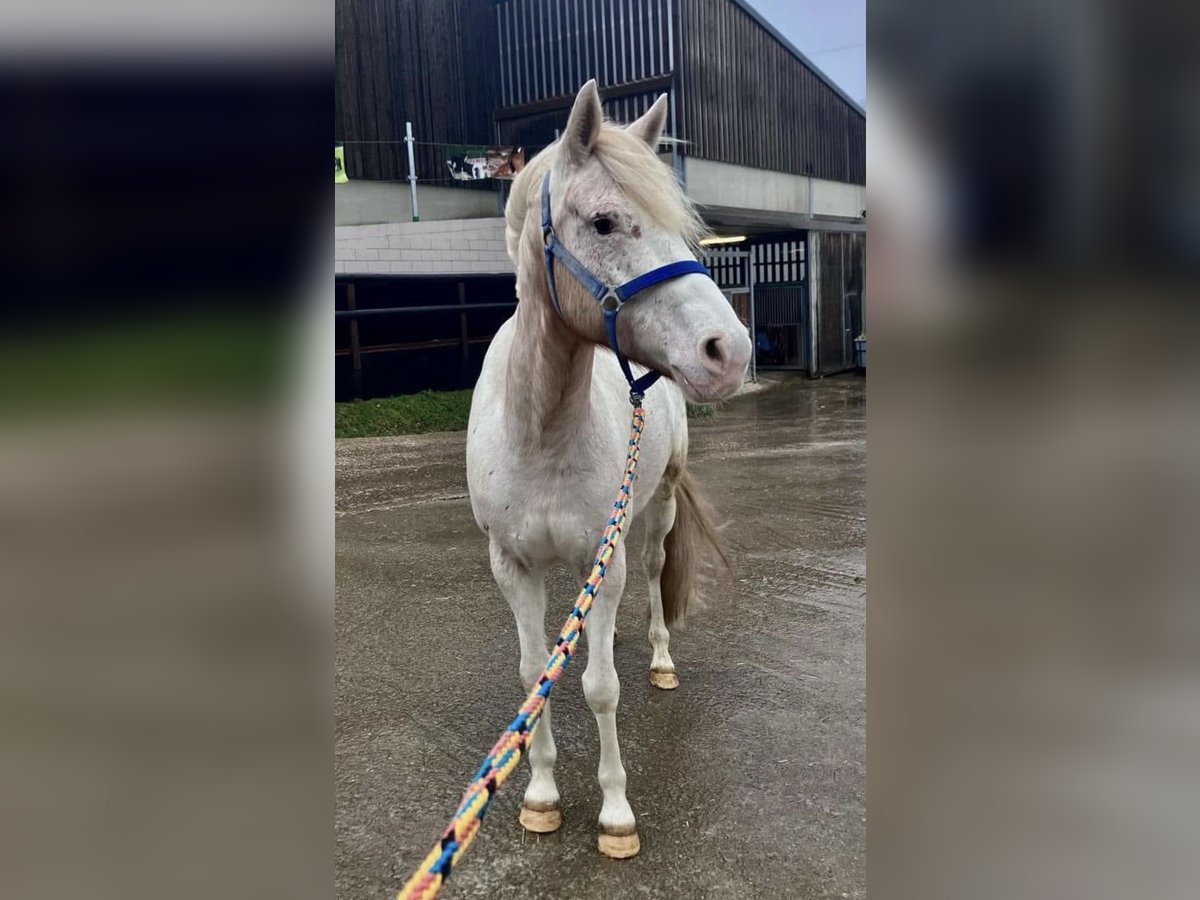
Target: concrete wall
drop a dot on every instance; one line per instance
(452, 247)
(749, 191)
(376, 202)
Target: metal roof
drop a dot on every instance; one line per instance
(795, 51)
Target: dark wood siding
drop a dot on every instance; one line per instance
(747, 99)
(840, 297)
(455, 67)
(548, 48)
(431, 62)
(536, 129)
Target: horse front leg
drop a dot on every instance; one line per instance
(618, 829)
(525, 592)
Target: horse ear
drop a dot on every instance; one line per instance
(650, 126)
(584, 124)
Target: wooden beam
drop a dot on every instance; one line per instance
(462, 324)
(355, 350)
(564, 101)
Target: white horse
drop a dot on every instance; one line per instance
(550, 417)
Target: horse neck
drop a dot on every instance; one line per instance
(549, 377)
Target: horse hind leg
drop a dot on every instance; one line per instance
(659, 518)
(525, 592)
(692, 540)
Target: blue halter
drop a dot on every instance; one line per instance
(610, 298)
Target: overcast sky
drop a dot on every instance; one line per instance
(832, 33)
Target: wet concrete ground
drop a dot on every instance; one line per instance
(748, 781)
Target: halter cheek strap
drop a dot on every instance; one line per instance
(611, 298)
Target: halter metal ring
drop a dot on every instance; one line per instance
(610, 302)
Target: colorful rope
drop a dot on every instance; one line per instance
(504, 756)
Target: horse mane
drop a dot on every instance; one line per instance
(637, 171)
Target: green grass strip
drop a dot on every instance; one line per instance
(406, 414)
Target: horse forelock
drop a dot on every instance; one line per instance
(638, 173)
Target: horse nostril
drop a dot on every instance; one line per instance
(713, 350)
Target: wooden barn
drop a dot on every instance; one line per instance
(769, 148)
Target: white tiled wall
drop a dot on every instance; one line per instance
(450, 247)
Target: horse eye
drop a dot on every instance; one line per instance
(603, 225)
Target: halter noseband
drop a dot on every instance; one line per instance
(611, 298)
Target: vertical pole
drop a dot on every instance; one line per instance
(672, 101)
(412, 171)
(676, 157)
(749, 260)
(862, 288)
(812, 278)
(502, 191)
(355, 352)
(847, 337)
(556, 135)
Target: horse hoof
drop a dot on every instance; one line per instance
(619, 846)
(666, 681)
(540, 821)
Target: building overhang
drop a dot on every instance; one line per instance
(729, 194)
(754, 221)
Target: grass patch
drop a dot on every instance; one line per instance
(406, 414)
(425, 412)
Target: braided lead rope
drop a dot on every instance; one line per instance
(429, 877)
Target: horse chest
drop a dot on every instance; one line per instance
(546, 516)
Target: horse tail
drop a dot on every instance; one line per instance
(693, 545)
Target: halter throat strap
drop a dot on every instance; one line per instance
(610, 297)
